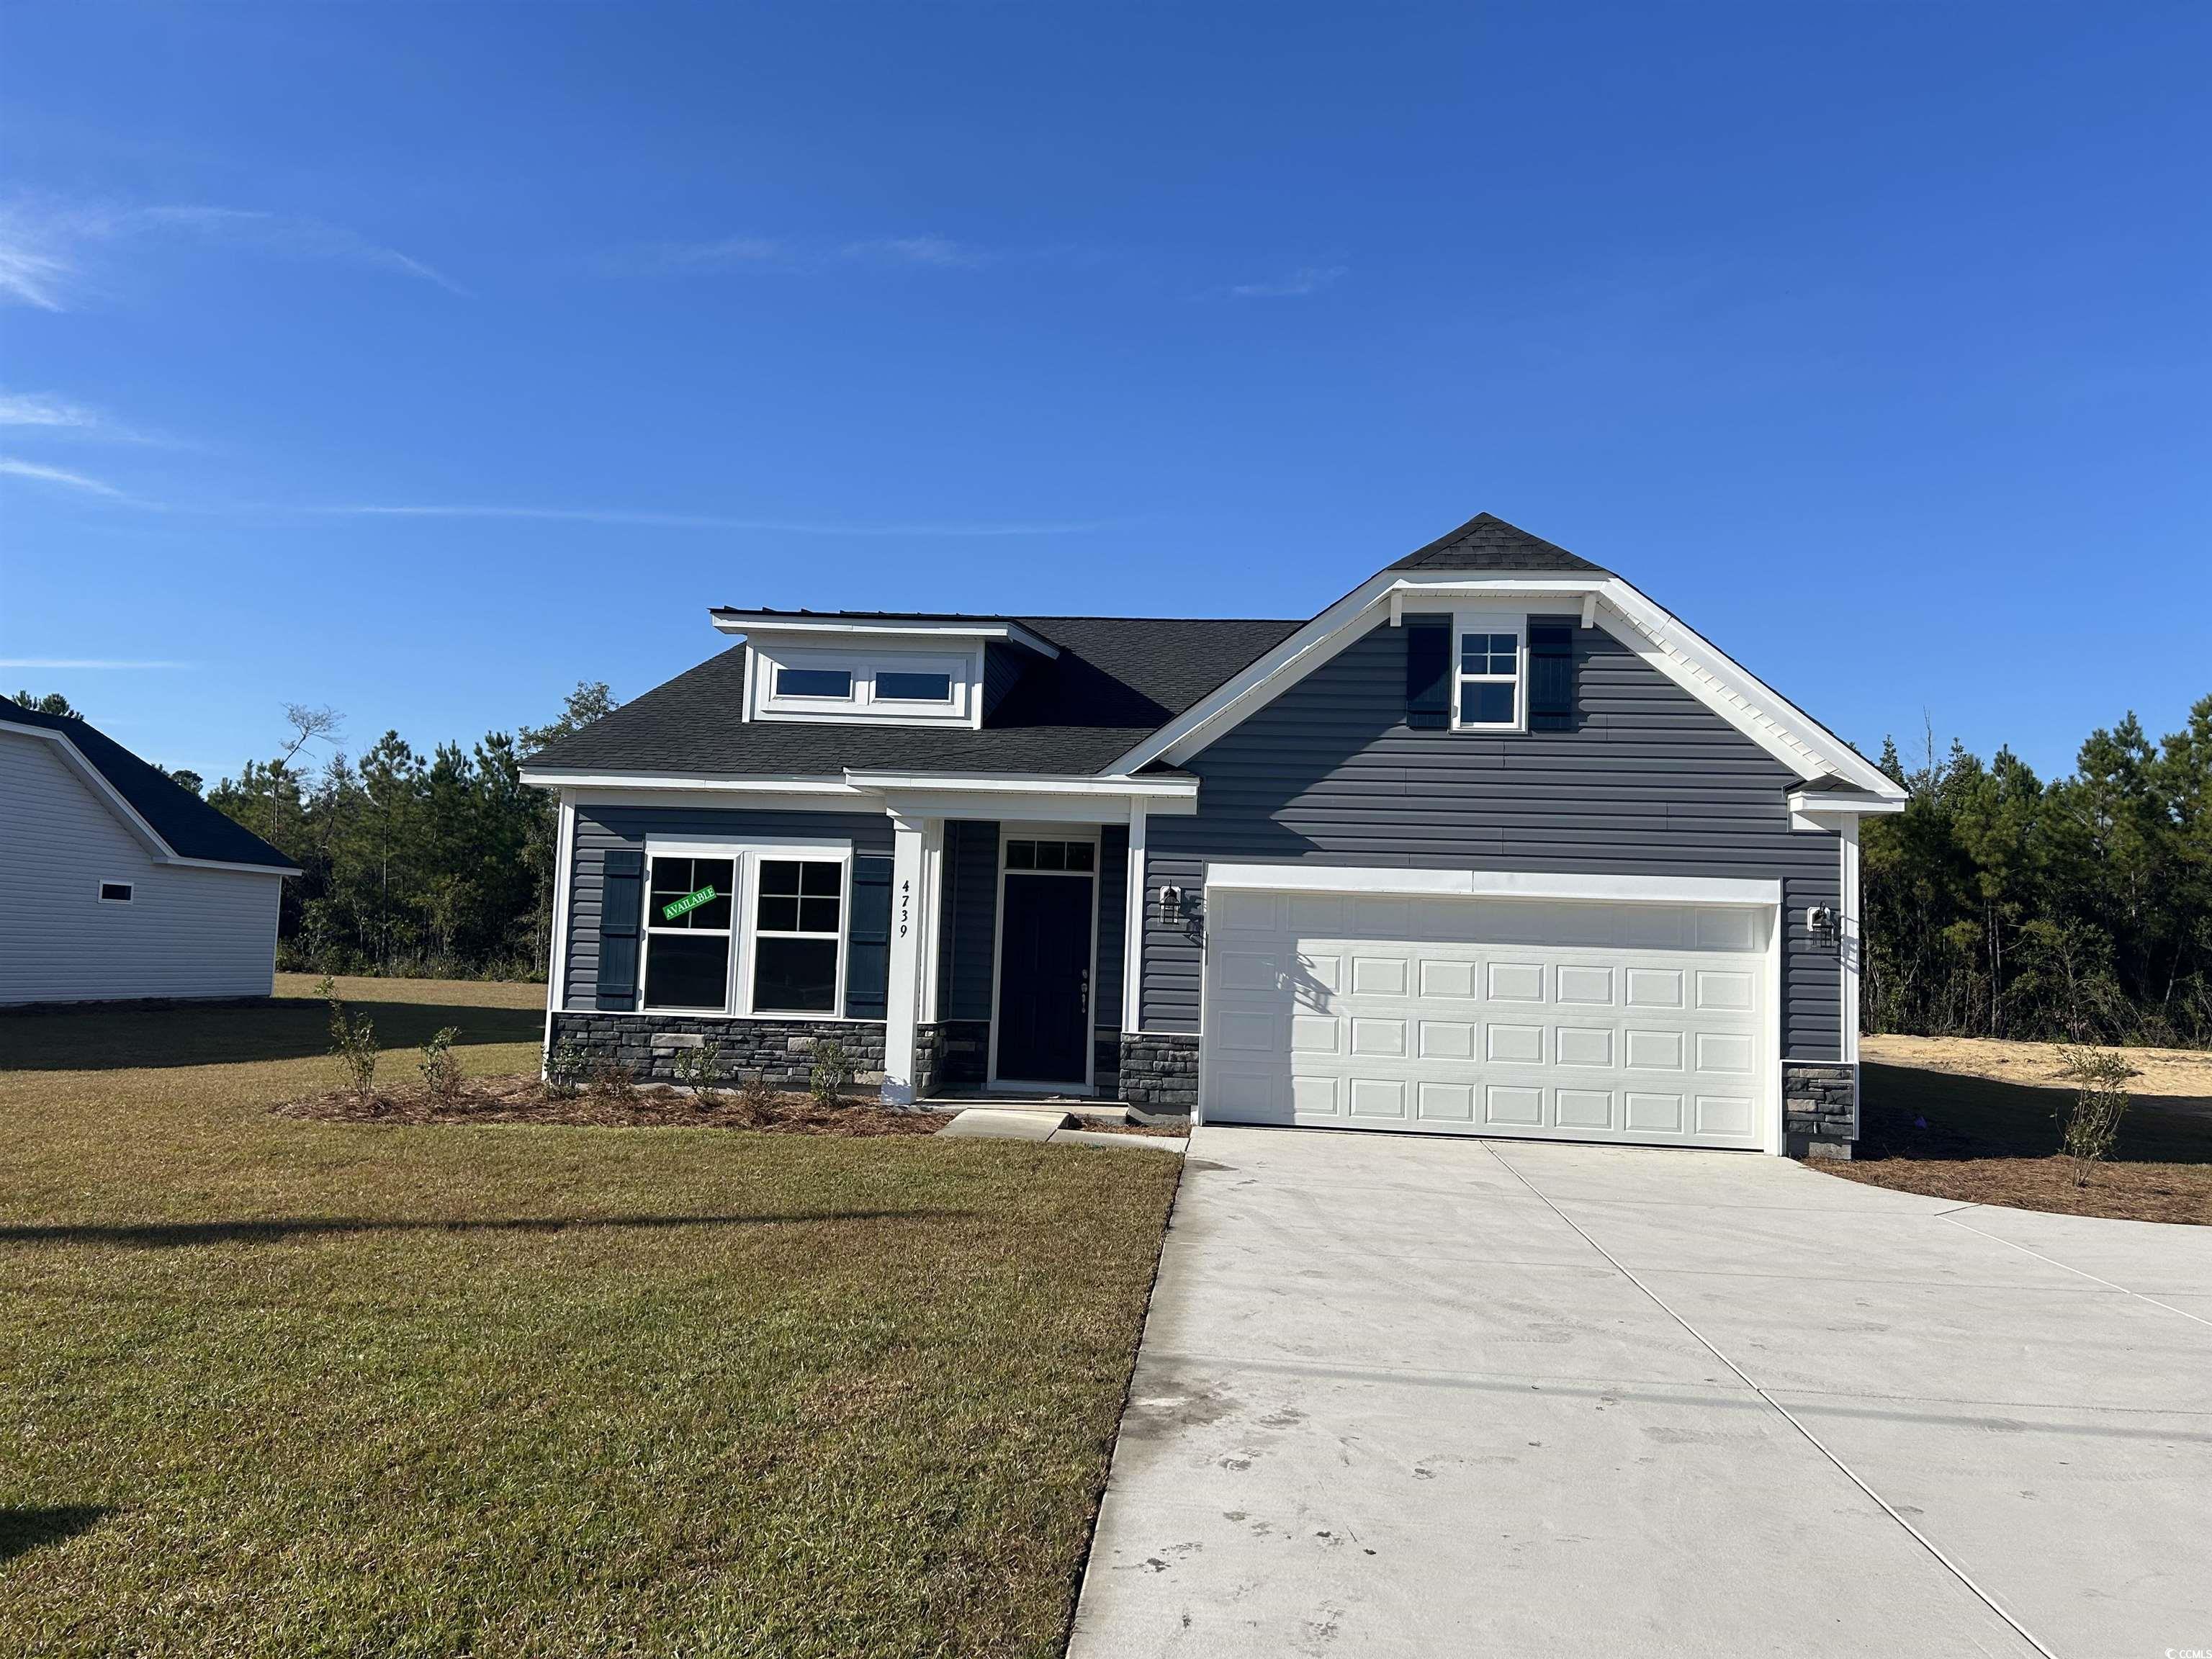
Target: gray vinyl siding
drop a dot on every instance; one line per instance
(186, 932)
(967, 936)
(1649, 783)
(600, 828)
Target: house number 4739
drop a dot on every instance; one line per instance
(906, 906)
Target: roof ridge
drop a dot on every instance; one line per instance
(1487, 542)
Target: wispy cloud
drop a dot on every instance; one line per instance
(10, 467)
(87, 662)
(57, 417)
(44, 246)
(649, 519)
(784, 253)
(941, 251)
(1307, 279)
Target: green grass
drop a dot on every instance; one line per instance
(270, 1386)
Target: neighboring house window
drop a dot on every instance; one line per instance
(913, 688)
(797, 919)
(687, 933)
(115, 892)
(1489, 679)
(814, 683)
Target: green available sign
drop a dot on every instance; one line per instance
(687, 903)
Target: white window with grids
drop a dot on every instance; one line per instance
(746, 929)
(798, 944)
(1489, 682)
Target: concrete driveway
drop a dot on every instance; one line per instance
(1411, 1395)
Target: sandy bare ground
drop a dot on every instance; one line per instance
(2176, 1080)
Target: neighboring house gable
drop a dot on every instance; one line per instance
(93, 905)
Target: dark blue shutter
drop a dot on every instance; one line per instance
(868, 940)
(622, 901)
(1428, 672)
(1551, 675)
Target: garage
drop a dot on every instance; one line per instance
(1635, 1010)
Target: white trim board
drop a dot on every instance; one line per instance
(1495, 884)
(1731, 690)
(766, 623)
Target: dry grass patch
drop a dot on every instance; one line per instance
(269, 1386)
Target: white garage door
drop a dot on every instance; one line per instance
(1627, 1022)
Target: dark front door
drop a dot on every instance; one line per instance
(1044, 979)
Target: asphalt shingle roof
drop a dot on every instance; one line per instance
(192, 829)
(1487, 542)
(1116, 681)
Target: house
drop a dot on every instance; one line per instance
(1494, 845)
(116, 883)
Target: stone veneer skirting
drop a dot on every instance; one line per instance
(780, 1050)
(1159, 1073)
(1819, 1116)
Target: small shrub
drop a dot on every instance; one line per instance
(2089, 1126)
(700, 1070)
(353, 1041)
(566, 1068)
(441, 1067)
(833, 1071)
(613, 1081)
(757, 1098)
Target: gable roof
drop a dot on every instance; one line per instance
(186, 826)
(1487, 542)
(1116, 680)
(1488, 557)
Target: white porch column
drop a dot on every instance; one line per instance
(903, 1002)
(1132, 926)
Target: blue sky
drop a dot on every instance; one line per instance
(422, 361)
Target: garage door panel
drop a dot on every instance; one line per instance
(1625, 1022)
(1517, 982)
(1447, 1039)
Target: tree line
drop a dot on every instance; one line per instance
(1996, 905)
(2079, 909)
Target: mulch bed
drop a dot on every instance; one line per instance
(527, 1100)
(2131, 1192)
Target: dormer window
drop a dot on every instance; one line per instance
(881, 668)
(893, 686)
(836, 683)
(870, 683)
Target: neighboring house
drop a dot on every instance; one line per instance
(116, 883)
(1494, 845)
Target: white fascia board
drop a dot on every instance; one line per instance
(1304, 651)
(1025, 783)
(755, 624)
(1738, 696)
(1824, 800)
(655, 782)
(1599, 889)
(141, 831)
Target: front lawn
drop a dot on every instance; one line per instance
(274, 1387)
(1981, 1140)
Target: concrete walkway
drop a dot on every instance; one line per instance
(1405, 1395)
